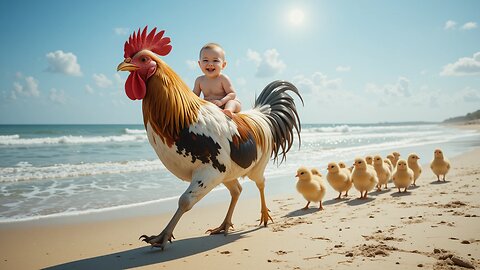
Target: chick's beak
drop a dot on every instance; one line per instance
(296, 175)
(126, 66)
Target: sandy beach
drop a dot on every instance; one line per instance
(434, 226)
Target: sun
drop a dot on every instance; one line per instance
(296, 16)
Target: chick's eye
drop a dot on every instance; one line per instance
(302, 173)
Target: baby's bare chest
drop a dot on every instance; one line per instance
(212, 88)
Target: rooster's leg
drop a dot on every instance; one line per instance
(202, 183)
(235, 189)
(265, 216)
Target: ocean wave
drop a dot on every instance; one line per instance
(25, 171)
(16, 140)
(9, 137)
(135, 131)
(334, 129)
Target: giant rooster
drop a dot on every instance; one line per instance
(196, 140)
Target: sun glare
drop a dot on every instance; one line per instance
(296, 16)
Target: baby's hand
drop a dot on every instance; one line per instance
(217, 102)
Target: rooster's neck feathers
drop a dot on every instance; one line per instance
(169, 105)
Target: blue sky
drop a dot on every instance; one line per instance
(353, 61)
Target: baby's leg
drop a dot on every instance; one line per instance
(233, 106)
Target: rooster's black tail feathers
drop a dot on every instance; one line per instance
(282, 115)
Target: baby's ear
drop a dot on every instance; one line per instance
(224, 64)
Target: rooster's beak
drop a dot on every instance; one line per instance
(124, 66)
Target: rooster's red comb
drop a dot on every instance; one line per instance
(153, 42)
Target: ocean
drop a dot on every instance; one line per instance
(61, 170)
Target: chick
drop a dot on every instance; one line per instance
(364, 177)
(369, 160)
(392, 160)
(383, 172)
(403, 176)
(389, 165)
(439, 165)
(396, 157)
(339, 178)
(316, 172)
(310, 186)
(342, 164)
(413, 164)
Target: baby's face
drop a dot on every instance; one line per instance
(211, 62)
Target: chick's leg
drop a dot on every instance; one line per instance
(235, 189)
(197, 189)
(306, 206)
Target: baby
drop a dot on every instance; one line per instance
(215, 86)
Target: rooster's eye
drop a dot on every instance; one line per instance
(144, 59)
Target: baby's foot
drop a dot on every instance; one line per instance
(228, 113)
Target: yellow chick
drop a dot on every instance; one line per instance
(396, 157)
(439, 165)
(403, 176)
(316, 172)
(342, 164)
(392, 160)
(310, 186)
(339, 178)
(383, 172)
(364, 177)
(369, 160)
(389, 164)
(413, 164)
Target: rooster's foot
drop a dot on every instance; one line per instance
(265, 216)
(224, 227)
(158, 241)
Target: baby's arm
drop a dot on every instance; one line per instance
(229, 90)
(196, 88)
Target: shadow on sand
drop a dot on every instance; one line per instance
(401, 194)
(302, 212)
(376, 192)
(439, 182)
(358, 201)
(144, 256)
(335, 200)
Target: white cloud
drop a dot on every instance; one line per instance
(28, 89)
(57, 96)
(399, 89)
(343, 68)
(450, 25)
(469, 26)
(470, 95)
(61, 62)
(89, 89)
(267, 64)
(321, 88)
(102, 81)
(192, 65)
(32, 86)
(121, 31)
(241, 81)
(463, 67)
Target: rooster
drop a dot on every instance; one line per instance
(196, 140)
